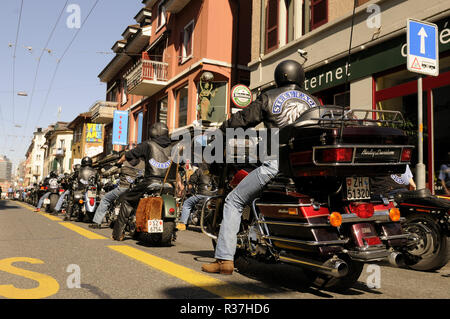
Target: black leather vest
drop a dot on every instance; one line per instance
(284, 105)
(158, 160)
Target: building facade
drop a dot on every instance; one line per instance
(319, 34)
(35, 158)
(156, 72)
(58, 153)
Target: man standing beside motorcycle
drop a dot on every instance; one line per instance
(47, 194)
(202, 185)
(128, 174)
(156, 153)
(276, 108)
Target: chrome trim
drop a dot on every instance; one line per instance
(294, 224)
(380, 216)
(309, 243)
(368, 255)
(284, 205)
(402, 236)
(333, 267)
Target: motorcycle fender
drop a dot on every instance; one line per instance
(169, 205)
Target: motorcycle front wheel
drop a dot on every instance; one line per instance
(430, 252)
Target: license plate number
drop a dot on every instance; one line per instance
(155, 226)
(90, 194)
(358, 188)
(46, 201)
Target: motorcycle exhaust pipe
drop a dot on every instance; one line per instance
(334, 267)
(396, 259)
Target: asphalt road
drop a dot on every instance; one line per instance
(43, 257)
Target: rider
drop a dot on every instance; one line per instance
(128, 174)
(156, 153)
(393, 184)
(202, 185)
(276, 108)
(47, 194)
(67, 185)
(83, 173)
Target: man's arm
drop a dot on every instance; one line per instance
(251, 116)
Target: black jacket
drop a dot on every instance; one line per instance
(156, 153)
(276, 108)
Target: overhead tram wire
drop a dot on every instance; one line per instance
(59, 62)
(14, 60)
(39, 61)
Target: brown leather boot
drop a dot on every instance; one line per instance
(224, 267)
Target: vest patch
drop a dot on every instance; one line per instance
(159, 165)
(291, 97)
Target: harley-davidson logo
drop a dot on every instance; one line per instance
(377, 152)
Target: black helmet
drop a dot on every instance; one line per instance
(86, 161)
(159, 129)
(289, 72)
(53, 174)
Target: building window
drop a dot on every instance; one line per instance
(272, 25)
(124, 91)
(162, 110)
(182, 99)
(186, 42)
(319, 13)
(161, 14)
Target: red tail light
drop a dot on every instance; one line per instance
(61, 190)
(406, 155)
(172, 210)
(91, 201)
(372, 241)
(332, 155)
(363, 210)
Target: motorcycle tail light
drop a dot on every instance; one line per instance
(172, 211)
(333, 155)
(81, 201)
(91, 201)
(372, 241)
(394, 214)
(406, 155)
(364, 210)
(42, 188)
(335, 219)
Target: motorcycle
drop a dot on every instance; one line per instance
(55, 191)
(427, 219)
(317, 213)
(84, 199)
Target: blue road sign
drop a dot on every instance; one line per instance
(423, 52)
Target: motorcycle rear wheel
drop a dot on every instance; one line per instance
(53, 201)
(334, 284)
(431, 251)
(166, 238)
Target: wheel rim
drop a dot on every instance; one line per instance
(425, 237)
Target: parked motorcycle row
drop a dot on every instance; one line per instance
(319, 213)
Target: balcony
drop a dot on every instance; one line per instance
(175, 6)
(59, 152)
(103, 112)
(147, 77)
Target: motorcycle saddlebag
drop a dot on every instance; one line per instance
(148, 208)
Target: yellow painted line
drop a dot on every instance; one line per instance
(213, 285)
(50, 216)
(82, 231)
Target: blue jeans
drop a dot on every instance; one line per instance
(188, 205)
(235, 202)
(41, 200)
(61, 200)
(106, 201)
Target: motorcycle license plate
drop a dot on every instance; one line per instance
(117, 210)
(46, 201)
(90, 194)
(155, 226)
(358, 188)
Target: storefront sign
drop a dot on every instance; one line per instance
(241, 96)
(94, 133)
(120, 128)
(381, 57)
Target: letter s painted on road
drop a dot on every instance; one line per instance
(47, 285)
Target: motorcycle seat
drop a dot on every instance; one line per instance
(157, 187)
(421, 197)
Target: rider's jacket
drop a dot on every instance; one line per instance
(202, 181)
(156, 154)
(276, 108)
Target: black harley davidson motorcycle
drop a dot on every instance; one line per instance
(318, 212)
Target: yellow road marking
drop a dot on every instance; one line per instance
(82, 231)
(213, 285)
(50, 216)
(47, 285)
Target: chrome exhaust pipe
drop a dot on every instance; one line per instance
(334, 267)
(396, 259)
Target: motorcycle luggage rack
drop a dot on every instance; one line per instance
(334, 117)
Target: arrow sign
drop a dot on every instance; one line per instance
(422, 47)
(422, 34)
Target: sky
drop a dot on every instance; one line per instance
(67, 75)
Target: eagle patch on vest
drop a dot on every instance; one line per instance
(159, 165)
(292, 104)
